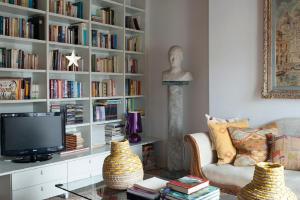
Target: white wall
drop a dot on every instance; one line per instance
(236, 63)
(185, 23)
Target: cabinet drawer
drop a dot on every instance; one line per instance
(79, 169)
(97, 164)
(38, 176)
(39, 192)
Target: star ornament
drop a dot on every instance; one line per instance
(73, 59)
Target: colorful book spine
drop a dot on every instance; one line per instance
(133, 87)
(15, 88)
(134, 43)
(23, 3)
(18, 59)
(131, 65)
(104, 16)
(60, 89)
(67, 8)
(105, 64)
(105, 88)
(104, 40)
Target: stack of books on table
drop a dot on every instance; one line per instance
(190, 188)
(147, 189)
(114, 133)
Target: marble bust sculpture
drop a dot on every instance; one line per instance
(176, 73)
(176, 79)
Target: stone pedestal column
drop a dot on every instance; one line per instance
(175, 132)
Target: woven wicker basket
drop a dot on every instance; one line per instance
(122, 168)
(267, 184)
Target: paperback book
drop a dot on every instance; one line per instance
(105, 64)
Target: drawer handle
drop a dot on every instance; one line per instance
(42, 173)
(42, 189)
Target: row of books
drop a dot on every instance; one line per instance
(105, 88)
(58, 61)
(73, 34)
(21, 27)
(107, 64)
(134, 43)
(73, 112)
(133, 22)
(104, 40)
(67, 8)
(131, 65)
(104, 16)
(185, 188)
(18, 59)
(24, 3)
(133, 87)
(74, 140)
(114, 133)
(65, 89)
(15, 88)
(105, 110)
(131, 105)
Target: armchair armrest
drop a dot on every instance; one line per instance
(202, 153)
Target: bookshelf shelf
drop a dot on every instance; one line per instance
(106, 3)
(132, 74)
(133, 10)
(135, 96)
(106, 60)
(22, 70)
(19, 10)
(134, 52)
(129, 30)
(5, 38)
(107, 122)
(67, 72)
(65, 19)
(25, 101)
(107, 50)
(105, 26)
(69, 99)
(106, 74)
(66, 45)
(107, 98)
(77, 125)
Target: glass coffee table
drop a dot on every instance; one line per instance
(95, 189)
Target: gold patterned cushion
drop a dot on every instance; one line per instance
(212, 120)
(251, 145)
(224, 147)
(286, 151)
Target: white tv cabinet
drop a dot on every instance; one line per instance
(36, 181)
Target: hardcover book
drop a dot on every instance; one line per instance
(207, 193)
(188, 184)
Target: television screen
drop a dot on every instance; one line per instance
(32, 133)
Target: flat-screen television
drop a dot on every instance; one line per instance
(32, 134)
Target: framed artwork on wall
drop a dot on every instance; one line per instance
(281, 49)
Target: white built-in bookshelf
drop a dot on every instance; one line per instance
(42, 76)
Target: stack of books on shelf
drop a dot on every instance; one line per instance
(190, 187)
(106, 110)
(134, 43)
(133, 87)
(131, 65)
(18, 59)
(65, 89)
(67, 8)
(59, 61)
(15, 88)
(73, 34)
(24, 3)
(73, 112)
(133, 22)
(104, 16)
(107, 64)
(74, 141)
(24, 28)
(105, 88)
(104, 40)
(114, 133)
(147, 189)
